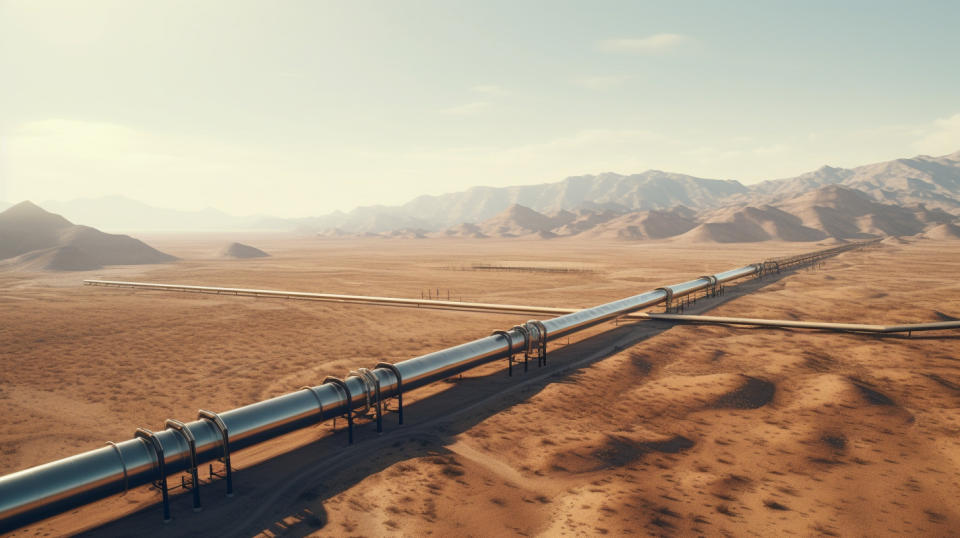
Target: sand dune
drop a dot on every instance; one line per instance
(34, 239)
(749, 224)
(517, 221)
(847, 213)
(634, 430)
(466, 230)
(644, 225)
(943, 231)
(241, 251)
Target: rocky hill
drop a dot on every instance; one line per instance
(605, 192)
(34, 239)
(932, 181)
(831, 212)
(240, 251)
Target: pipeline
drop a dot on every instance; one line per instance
(52, 488)
(337, 298)
(792, 324)
(528, 309)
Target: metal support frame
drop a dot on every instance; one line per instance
(396, 374)
(181, 428)
(509, 340)
(225, 435)
(714, 283)
(526, 344)
(541, 341)
(161, 484)
(667, 302)
(342, 385)
(371, 383)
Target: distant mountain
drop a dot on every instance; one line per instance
(580, 204)
(614, 192)
(123, 214)
(369, 219)
(34, 239)
(933, 181)
(831, 211)
(652, 224)
(466, 229)
(518, 221)
(591, 200)
(649, 190)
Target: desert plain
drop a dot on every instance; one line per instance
(639, 428)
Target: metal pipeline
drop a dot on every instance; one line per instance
(335, 298)
(55, 487)
(793, 324)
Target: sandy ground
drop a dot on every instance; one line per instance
(639, 429)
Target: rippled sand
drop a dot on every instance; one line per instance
(630, 429)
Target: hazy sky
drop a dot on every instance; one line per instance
(300, 108)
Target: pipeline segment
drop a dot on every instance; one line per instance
(334, 298)
(793, 324)
(52, 488)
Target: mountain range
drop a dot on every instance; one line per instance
(581, 203)
(649, 205)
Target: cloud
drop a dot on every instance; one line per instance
(469, 109)
(654, 44)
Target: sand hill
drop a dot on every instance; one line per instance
(408, 233)
(518, 221)
(241, 251)
(934, 181)
(943, 231)
(831, 211)
(849, 214)
(34, 239)
(646, 225)
(466, 230)
(749, 224)
(587, 219)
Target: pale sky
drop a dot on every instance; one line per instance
(300, 108)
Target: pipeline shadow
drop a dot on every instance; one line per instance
(286, 493)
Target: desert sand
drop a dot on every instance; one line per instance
(642, 429)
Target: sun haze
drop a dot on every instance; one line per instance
(302, 108)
